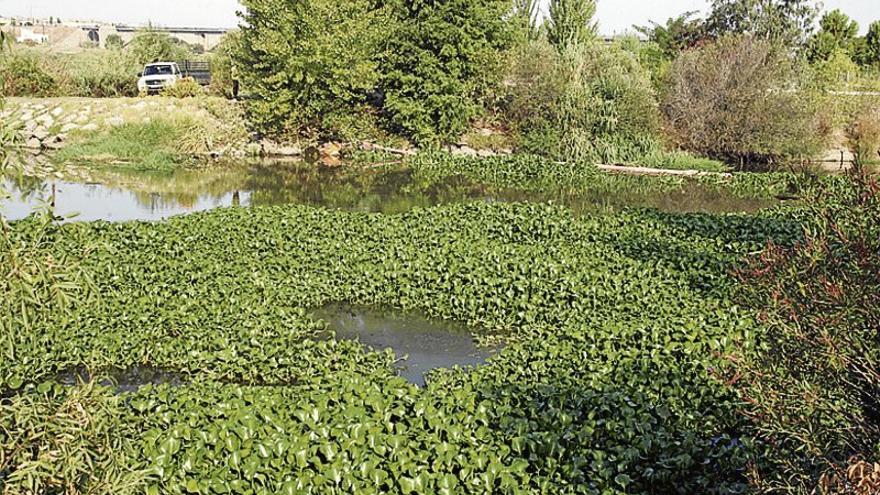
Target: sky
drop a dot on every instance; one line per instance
(614, 16)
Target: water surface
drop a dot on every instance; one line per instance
(421, 344)
(122, 195)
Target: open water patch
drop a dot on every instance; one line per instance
(124, 381)
(421, 344)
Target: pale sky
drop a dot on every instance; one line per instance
(614, 16)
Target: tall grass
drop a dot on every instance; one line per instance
(152, 146)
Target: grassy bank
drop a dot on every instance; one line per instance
(144, 133)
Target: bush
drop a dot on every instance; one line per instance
(863, 135)
(107, 74)
(441, 62)
(95, 73)
(22, 74)
(591, 102)
(738, 100)
(185, 88)
(812, 384)
(306, 61)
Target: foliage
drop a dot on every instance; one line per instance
(789, 22)
(153, 146)
(184, 88)
(305, 61)
(735, 100)
(589, 103)
(812, 382)
(22, 75)
(870, 55)
(528, 16)
(114, 42)
(571, 23)
(110, 74)
(223, 70)
(837, 33)
(837, 71)
(679, 33)
(603, 385)
(441, 62)
(863, 135)
(98, 74)
(153, 46)
(67, 440)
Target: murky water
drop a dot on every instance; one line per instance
(129, 380)
(122, 195)
(422, 344)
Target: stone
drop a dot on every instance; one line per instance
(69, 127)
(485, 153)
(272, 148)
(40, 133)
(90, 127)
(464, 151)
(30, 126)
(57, 112)
(53, 143)
(46, 120)
(33, 143)
(331, 149)
(114, 121)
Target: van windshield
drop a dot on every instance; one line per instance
(158, 70)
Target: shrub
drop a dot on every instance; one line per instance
(22, 74)
(591, 102)
(811, 385)
(307, 60)
(441, 62)
(68, 441)
(114, 42)
(863, 135)
(738, 100)
(185, 88)
(107, 74)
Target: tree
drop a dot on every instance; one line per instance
(114, 42)
(678, 34)
(151, 46)
(308, 61)
(442, 61)
(571, 22)
(789, 22)
(872, 45)
(837, 33)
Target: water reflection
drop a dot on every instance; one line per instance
(422, 344)
(121, 195)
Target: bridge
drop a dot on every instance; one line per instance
(208, 38)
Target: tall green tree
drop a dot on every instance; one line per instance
(443, 58)
(789, 22)
(306, 61)
(872, 46)
(837, 33)
(571, 22)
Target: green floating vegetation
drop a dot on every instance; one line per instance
(534, 173)
(613, 325)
